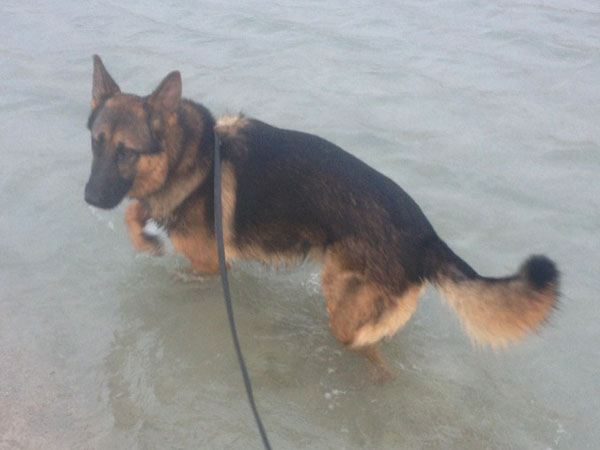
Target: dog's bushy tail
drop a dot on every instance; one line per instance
(496, 310)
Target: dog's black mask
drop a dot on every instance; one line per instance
(106, 188)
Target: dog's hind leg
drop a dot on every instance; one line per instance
(381, 371)
(361, 312)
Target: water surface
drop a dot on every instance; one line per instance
(487, 114)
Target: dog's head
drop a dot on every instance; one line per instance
(130, 138)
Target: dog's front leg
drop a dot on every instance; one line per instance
(199, 247)
(136, 216)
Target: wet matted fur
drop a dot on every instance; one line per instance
(288, 196)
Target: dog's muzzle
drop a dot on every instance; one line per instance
(105, 188)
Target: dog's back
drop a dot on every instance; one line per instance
(297, 190)
(298, 194)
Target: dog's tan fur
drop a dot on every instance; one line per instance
(288, 196)
(507, 313)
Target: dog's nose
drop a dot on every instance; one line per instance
(91, 197)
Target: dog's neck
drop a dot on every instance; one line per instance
(162, 204)
(189, 171)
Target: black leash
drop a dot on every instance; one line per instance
(226, 293)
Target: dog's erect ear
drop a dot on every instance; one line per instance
(103, 85)
(167, 96)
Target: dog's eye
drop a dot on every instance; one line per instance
(125, 154)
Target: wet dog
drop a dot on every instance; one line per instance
(289, 196)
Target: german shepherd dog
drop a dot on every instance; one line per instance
(288, 196)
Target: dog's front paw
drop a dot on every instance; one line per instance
(136, 216)
(149, 243)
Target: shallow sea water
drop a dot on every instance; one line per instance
(487, 113)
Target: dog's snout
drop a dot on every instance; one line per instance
(106, 190)
(91, 196)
